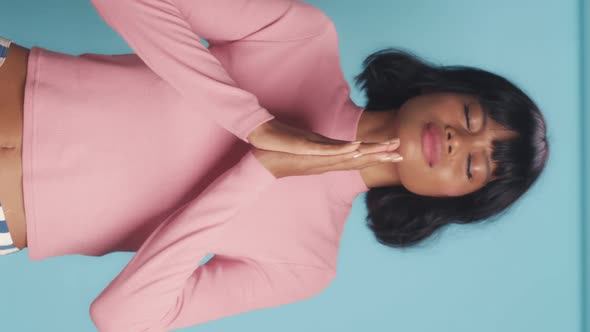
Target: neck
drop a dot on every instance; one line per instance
(378, 126)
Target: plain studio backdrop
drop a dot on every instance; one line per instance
(525, 272)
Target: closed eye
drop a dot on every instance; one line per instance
(466, 111)
(469, 175)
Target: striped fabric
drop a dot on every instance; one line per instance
(4, 44)
(6, 244)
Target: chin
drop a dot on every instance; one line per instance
(414, 166)
(411, 149)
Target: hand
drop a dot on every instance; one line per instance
(282, 164)
(277, 136)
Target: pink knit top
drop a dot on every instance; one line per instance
(147, 153)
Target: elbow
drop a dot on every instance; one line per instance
(109, 318)
(117, 316)
(105, 319)
(100, 318)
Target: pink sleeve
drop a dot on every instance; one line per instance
(163, 34)
(163, 287)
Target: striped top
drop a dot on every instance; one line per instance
(6, 244)
(4, 45)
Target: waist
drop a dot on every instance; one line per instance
(13, 73)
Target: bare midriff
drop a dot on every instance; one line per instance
(13, 73)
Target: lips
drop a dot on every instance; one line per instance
(431, 143)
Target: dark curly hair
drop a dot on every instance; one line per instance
(400, 218)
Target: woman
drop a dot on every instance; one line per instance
(465, 136)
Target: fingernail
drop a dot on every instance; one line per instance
(397, 158)
(382, 148)
(355, 142)
(395, 140)
(392, 147)
(386, 158)
(357, 155)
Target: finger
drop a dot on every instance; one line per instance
(379, 147)
(331, 161)
(318, 144)
(369, 160)
(335, 148)
(319, 138)
(386, 159)
(321, 164)
(323, 139)
(328, 148)
(306, 136)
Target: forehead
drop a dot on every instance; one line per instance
(499, 132)
(496, 130)
(493, 128)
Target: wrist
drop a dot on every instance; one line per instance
(259, 130)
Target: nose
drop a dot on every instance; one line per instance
(451, 141)
(456, 141)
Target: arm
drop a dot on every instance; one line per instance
(227, 286)
(162, 286)
(163, 34)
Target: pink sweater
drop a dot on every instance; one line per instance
(120, 156)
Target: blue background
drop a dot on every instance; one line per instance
(527, 271)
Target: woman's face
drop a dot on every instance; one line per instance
(453, 174)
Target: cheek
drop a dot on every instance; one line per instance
(429, 182)
(452, 191)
